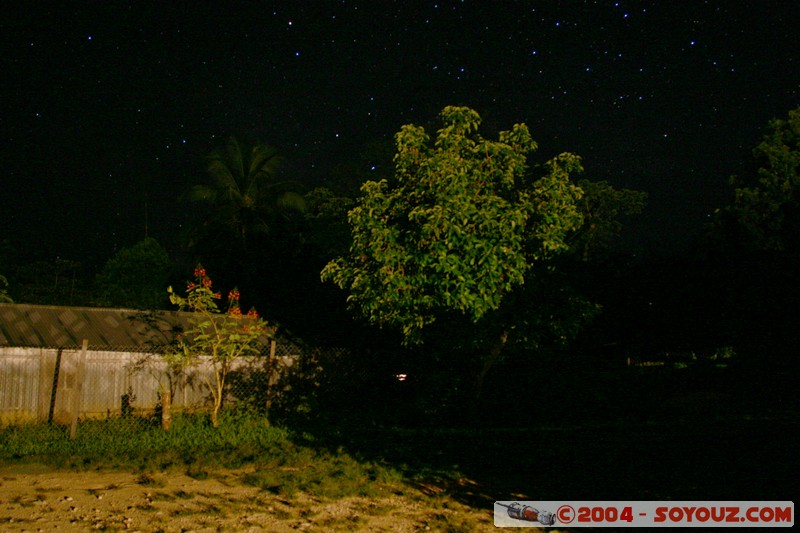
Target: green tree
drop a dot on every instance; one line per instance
(135, 277)
(56, 282)
(601, 207)
(4, 297)
(219, 337)
(766, 205)
(326, 217)
(457, 230)
(244, 197)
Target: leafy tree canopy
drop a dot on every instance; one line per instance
(601, 206)
(135, 277)
(766, 205)
(458, 226)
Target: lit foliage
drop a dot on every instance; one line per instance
(221, 337)
(767, 205)
(457, 228)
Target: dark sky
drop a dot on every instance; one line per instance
(108, 106)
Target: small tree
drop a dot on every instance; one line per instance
(222, 337)
(456, 230)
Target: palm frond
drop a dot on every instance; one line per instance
(292, 200)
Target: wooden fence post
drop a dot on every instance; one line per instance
(77, 390)
(270, 371)
(54, 388)
(166, 410)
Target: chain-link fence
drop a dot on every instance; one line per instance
(65, 386)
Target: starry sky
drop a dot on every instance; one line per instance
(107, 109)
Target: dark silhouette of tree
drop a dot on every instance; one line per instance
(243, 206)
(755, 249)
(135, 277)
(4, 297)
(766, 206)
(244, 198)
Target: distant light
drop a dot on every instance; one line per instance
(401, 377)
(89, 38)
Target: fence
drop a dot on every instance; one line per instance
(61, 385)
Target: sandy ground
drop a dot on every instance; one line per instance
(39, 498)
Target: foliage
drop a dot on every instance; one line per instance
(601, 207)
(457, 228)
(135, 277)
(56, 282)
(4, 297)
(328, 234)
(220, 337)
(767, 205)
(244, 197)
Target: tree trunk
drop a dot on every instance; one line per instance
(217, 405)
(270, 370)
(488, 363)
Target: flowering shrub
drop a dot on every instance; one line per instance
(221, 336)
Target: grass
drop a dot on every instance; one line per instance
(280, 465)
(728, 456)
(323, 474)
(136, 443)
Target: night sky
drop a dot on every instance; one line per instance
(110, 107)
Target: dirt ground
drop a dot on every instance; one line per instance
(40, 498)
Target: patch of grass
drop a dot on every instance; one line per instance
(342, 523)
(136, 443)
(324, 475)
(197, 473)
(163, 497)
(451, 522)
(372, 508)
(149, 481)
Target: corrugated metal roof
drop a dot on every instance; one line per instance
(49, 326)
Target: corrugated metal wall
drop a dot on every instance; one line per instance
(112, 382)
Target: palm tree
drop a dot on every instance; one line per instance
(244, 196)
